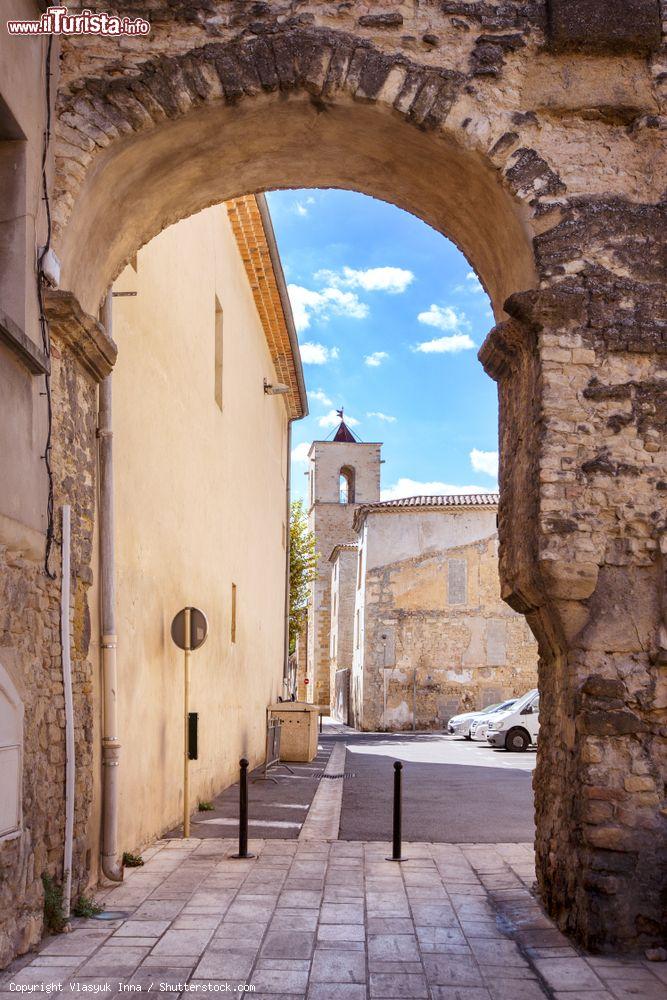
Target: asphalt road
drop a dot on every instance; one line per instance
(454, 791)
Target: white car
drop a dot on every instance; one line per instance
(480, 724)
(459, 725)
(516, 728)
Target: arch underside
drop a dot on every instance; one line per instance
(145, 182)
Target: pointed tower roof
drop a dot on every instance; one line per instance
(344, 433)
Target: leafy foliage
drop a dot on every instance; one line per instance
(205, 807)
(132, 860)
(54, 918)
(86, 907)
(303, 568)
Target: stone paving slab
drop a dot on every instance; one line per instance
(331, 920)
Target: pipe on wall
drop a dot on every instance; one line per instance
(65, 588)
(112, 866)
(288, 517)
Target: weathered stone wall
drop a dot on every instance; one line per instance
(437, 638)
(343, 568)
(30, 650)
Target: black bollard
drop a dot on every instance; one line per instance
(243, 811)
(396, 836)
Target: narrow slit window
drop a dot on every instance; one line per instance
(233, 620)
(218, 352)
(346, 485)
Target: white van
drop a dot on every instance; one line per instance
(518, 727)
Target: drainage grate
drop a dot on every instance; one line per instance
(332, 777)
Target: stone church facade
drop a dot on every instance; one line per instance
(405, 622)
(431, 636)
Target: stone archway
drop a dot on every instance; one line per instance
(537, 156)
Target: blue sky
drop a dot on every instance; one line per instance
(390, 318)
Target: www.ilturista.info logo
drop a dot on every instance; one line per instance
(59, 21)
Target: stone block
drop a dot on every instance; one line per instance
(612, 26)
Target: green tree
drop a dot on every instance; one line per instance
(303, 568)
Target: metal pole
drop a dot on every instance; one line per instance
(186, 694)
(70, 776)
(243, 812)
(396, 838)
(414, 700)
(112, 865)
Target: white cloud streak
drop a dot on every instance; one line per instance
(317, 354)
(300, 453)
(393, 280)
(375, 359)
(444, 318)
(412, 488)
(308, 303)
(332, 419)
(485, 461)
(446, 345)
(385, 417)
(320, 396)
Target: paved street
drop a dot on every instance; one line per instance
(330, 921)
(454, 791)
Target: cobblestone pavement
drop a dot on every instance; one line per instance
(332, 920)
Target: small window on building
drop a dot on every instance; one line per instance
(346, 482)
(457, 582)
(233, 619)
(218, 352)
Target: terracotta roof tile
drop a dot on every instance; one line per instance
(426, 502)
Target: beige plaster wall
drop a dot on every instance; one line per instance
(200, 504)
(429, 648)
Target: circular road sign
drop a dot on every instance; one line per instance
(198, 628)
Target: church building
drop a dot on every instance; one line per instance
(406, 624)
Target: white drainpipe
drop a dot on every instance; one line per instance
(69, 710)
(112, 866)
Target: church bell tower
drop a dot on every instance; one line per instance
(343, 473)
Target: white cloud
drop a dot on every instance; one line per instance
(413, 488)
(301, 207)
(454, 323)
(300, 453)
(375, 359)
(382, 416)
(444, 318)
(320, 396)
(473, 284)
(393, 280)
(446, 345)
(307, 302)
(485, 461)
(332, 419)
(317, 354)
